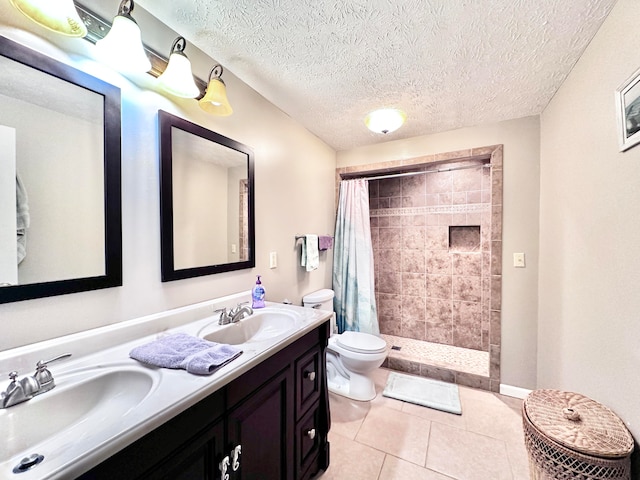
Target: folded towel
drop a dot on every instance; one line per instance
(180, 350)
(310, 257)
(325, 242)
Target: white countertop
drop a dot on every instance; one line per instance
(84, 441)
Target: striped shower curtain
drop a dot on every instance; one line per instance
(353, 276)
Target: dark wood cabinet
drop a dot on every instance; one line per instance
(264, 433)
(270, 423)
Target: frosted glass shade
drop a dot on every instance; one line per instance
(122, 47)
(59, 16)
(385, 120)
(215, 100)
(177, 79)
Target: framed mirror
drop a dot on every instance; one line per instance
(206, 201)
(60, 207)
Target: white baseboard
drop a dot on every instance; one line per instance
(516, 392)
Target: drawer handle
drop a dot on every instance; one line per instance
(235, 457)
(310, 375)
(224, 465)
(311, 433)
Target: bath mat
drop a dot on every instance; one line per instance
(424, 391)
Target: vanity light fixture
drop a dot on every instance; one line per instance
(385, 120)
(122, 47)
(215, 99)
(177, 79)
(57, 15)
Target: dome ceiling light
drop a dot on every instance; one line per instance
(385, 120)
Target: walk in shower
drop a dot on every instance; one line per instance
(436, 227)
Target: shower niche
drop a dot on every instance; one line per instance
(464, 238)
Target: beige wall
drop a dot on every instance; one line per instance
(521, 140)
(290, 163)
(589, 307)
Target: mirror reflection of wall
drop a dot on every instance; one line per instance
(206, 201)
(9, 257)
(59, 157)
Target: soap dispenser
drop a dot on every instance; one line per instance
(257, 294)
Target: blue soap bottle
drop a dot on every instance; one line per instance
(257, 294)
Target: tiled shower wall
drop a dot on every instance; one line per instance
(432, 250)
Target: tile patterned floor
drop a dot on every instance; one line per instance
(387, 439)
(439, 355)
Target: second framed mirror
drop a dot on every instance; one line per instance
(206, 201)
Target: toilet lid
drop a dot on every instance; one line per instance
(360, 342)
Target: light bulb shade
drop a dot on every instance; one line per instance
(385, 120)
(59, 16)
(122, 47)
(177, 79)
(215, 100)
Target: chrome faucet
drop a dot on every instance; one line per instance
(224, 316)
(240, 311)
(234, 315)
(28, 387)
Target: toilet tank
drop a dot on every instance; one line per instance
(321, 299)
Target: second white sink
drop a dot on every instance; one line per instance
(261, 326)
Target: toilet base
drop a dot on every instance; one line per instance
(356, 387)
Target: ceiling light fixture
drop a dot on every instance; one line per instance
(385, 120)
(215, 100)
(122, 48)
(56, 15)
(177, 79)
(120, 45)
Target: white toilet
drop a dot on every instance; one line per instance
(351, 356)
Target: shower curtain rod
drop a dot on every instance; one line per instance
(407, 174)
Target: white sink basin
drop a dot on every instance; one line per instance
(89, 395)
(261, 326)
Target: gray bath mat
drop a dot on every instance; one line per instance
(424, 391)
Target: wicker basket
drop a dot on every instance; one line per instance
(571, 437)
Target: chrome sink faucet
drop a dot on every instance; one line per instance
(234, 315)
(28, 387)
(240, 311)
(224, 316)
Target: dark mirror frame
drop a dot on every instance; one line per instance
(166, 122)
(112, 175)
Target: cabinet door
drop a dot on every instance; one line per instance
(262, 426)
(198, 460)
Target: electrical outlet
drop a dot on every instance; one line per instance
(233, 248)
(518, 260)
(273, 260)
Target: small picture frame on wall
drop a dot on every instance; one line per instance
(628, 112)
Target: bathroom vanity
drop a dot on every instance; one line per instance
(264, 415)
(270, 423)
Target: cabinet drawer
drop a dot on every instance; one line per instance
(308, 371)
(308, 434)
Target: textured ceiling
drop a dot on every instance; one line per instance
(446, 63)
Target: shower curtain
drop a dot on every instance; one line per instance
(353, 275)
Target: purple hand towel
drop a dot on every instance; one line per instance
(180, 350)
(325, 242)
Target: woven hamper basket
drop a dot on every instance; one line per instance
(571, 437)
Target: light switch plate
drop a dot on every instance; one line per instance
(273, 259)
(518, 260)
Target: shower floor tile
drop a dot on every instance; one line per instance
(445, 356)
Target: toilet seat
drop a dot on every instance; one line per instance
(360, 342)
